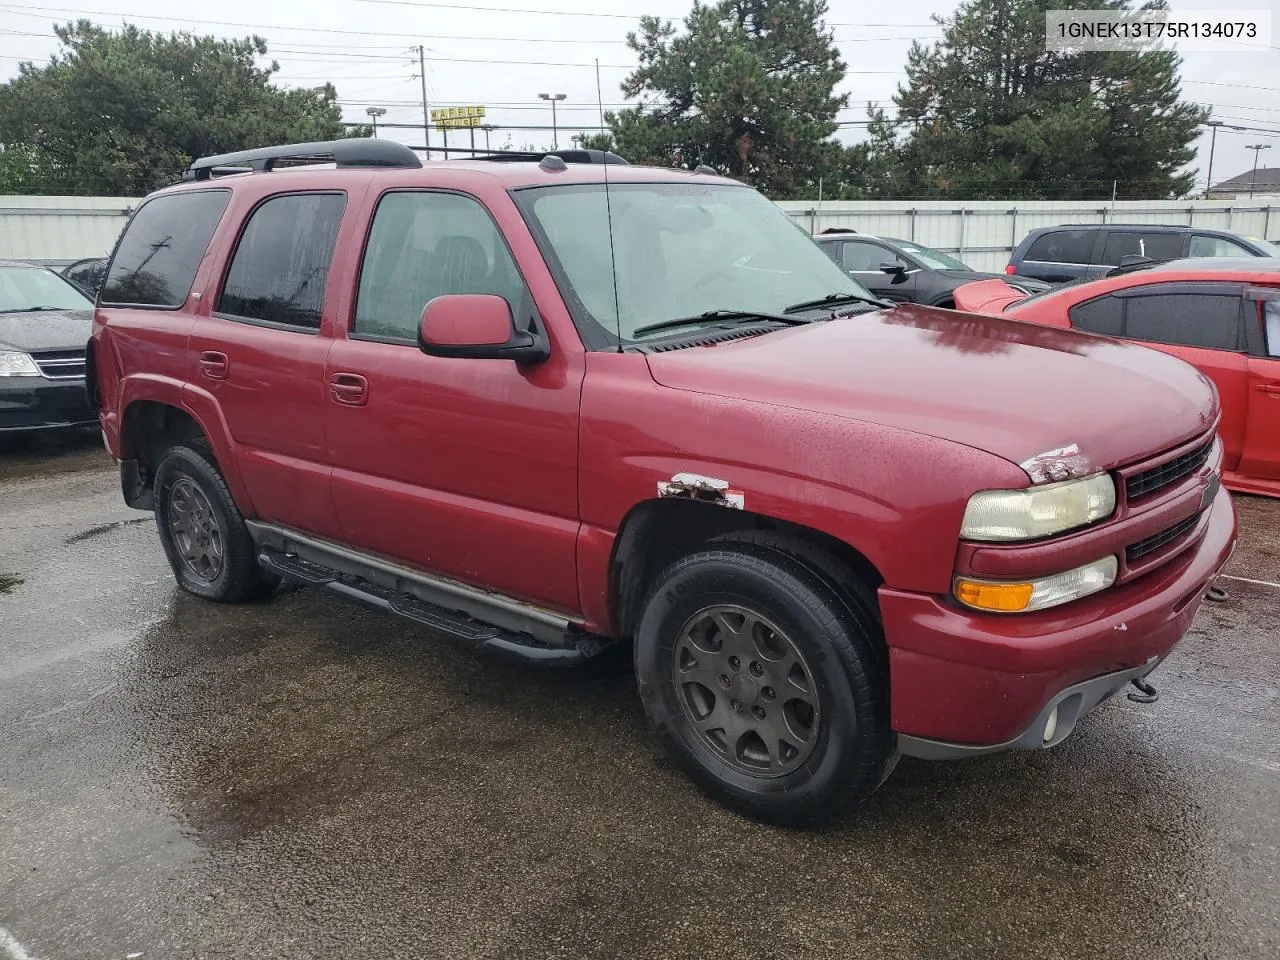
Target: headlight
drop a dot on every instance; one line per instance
(1024, 596)
(1005, 515)
(14, 364)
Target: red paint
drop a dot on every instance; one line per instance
(1248, 386)
(517, 478)
(469, 319)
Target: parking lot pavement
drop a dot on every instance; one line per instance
(303, 778)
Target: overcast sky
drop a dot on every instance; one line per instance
(504, 59)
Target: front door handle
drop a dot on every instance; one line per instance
(349, 389)
(1271, 388)
(214, 365)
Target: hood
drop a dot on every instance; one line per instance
(1029, 283)
(986, 296)
(45, 330)
(1013, 389)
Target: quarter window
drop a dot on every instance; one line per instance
(1272, 313)
(156, 259)
(424, 245)
(1153, 246)
(281, 265)
(1062, 246)
(1104, 315)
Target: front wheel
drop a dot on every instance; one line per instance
(768, 687)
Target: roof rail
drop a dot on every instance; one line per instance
(353, 152)
(524, 156)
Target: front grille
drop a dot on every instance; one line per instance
(1157, 478)
(1147, 545)
(60, 364)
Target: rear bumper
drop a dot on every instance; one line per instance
(35, 403)
(964, 683)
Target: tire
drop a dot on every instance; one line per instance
(202, 532)
(772, 603)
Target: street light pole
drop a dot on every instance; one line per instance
(1257, 148)
(554, 98)
(1213, 142)
(374, 113)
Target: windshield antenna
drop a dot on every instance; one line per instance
(608, 212)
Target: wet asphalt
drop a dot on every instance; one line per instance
(303, 778)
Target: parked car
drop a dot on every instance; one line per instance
(44, 323)
(903, 271)
(1222, 316)
(835, 534)
(1076, 251)
(87, 274)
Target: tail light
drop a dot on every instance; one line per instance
(1010, 269)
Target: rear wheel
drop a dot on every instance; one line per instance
(767, 686)
(203, 534)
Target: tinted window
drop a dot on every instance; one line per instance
(1154, 246)
(1063, 246)
(281, 265)
(866, 257)
(1186, 319)
(86, 276)
(156, 260)
(1202, 246)
(426, 245)
(1104, 315)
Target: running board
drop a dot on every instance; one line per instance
(398, 591)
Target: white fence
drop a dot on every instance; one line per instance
(984, 233)
(58, 230)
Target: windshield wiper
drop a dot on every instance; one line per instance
(30, 309)
(719, 318)
(831, 299)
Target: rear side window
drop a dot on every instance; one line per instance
(424, 245)
(1154, 246)
(1272, 314)
(1062, 246)
(1202, 246)
(1212, 321)
(281, 264)
(1104, 315)
(156, 260)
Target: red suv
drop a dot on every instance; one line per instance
(543, 406)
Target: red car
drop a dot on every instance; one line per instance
(1221, 316)
(542, 407)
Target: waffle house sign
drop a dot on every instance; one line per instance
(448, 117)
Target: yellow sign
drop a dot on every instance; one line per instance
(472, 116)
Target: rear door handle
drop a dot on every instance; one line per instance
(214, 365)
(349, 389)
(1272, 389)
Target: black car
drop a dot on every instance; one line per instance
(1087, 250)
(44, 325)
(905, 271)
(87, 274)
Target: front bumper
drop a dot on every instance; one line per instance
(964, 683)
(36, 403)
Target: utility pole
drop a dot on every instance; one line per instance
(1257, 148)
(426, 116)
(1213, 142)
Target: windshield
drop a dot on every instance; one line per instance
(681, 250)
(30, 288)
(1268, 248)
(928, 256)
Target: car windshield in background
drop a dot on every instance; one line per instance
(35, 288)
(1268, 248)
(928, 256)
(681, 250)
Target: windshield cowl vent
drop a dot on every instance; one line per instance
(698, 340)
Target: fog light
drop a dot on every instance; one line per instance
(1051, 727)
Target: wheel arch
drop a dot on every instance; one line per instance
(656, 532)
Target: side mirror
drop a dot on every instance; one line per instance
(477, 326)
(894, 267)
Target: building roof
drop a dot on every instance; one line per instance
(1267, 180)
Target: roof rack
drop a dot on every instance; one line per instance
(353, 152)
(583, 155)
